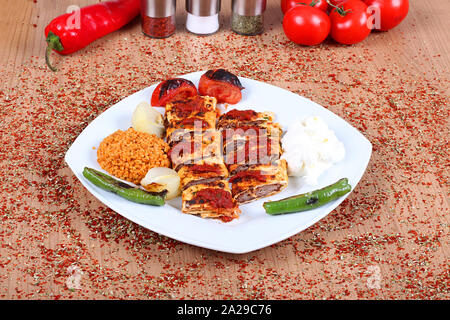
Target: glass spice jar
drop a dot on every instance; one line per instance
(248, 16)
(158, 18)
(202, 16)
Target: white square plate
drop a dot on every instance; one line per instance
(254, 229)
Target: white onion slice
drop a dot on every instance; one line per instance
(168, 178)
(147, 119)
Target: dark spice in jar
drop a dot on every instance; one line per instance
(158, 27)
(247, 25)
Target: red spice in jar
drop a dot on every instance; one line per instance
(158, 27)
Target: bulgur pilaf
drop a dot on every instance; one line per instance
(130, 154)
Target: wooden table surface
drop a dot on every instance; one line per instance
(388, 240)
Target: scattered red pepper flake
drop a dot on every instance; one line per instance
(394, 220)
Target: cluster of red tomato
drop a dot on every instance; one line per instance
(309, 22)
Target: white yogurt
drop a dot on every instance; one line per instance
(310, 148)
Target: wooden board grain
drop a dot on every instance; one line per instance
(388, 240)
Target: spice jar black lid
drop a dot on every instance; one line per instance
(249, 7)
(203, 8)
(158, 8)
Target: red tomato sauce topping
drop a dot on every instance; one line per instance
(201, 168)
(194, 121)
(249, 174)
(185, 108)
(242, 115)
(217, 198)
(226, 219)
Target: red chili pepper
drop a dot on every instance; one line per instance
(71, 32)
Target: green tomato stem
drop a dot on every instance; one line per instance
(340, 9)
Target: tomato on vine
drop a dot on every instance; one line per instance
(286, 5)
(336, 2)
(391, 12)
(349, 22)
(306, 25)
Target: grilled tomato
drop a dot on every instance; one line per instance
(221, 84)
(173, 90)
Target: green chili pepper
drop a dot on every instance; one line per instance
(124, 190)
(309, 200)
